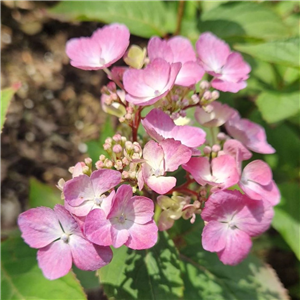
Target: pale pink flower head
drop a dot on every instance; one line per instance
(232, 220)
(160, 158)
(228, 68)
(214, 115)
(60, 241)
(250, 134)
(177, 49)
(257, 182)
(130, 222)
(221, 173)
(160, 126)
(107, 45)
(148, 85)
(84, 193)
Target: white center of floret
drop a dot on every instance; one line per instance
(122, 219)
(98, 200)
(65, 237)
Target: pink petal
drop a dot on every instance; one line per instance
(104, 180)
(87, 256)
(269, 193)
(182, 49)
(236, 68)
(199, 168)
(97, 228)
(255, 218)
(78, 190)
(121, 201)
(39, 226)
(228, 86)
(120, 233)
(161, 184)
(252, 135)
(99, 51)
(212, 52)
(233, 147)
(158, 124)
(214, 236)
(188, 135)
(141, 211)
(238, 245)
(217, 116)
(82, 210)
(158, 48)
(77, 170)
(223, 205)
(258, 171)
(175, 154)
(55, 260)
(224, 171)
(142, 236)
(154, 155)
(190, 73)
(148, 85)
(68, 223)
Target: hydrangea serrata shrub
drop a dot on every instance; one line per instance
(111, 202)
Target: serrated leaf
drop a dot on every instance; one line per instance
(243, 20)
(287, 219)
(95, 148)
(276, 106)
(21, 278)
(205, 277)
(6, 96)
(41, 194)
(143, 18)
(285, 52)
(146, 274)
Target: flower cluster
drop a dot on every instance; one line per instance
(100, 209)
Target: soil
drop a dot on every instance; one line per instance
(55, 112)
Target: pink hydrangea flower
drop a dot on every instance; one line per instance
(160, 158)
(233, 219)
(228, 68)
(129, 222)
(60, 242)
(177, 49)
(257, 182)
(147, 86)
(84, 193)
(221, 173)
(160, 126)
(250, 134)
(214, 115)
(102, 49)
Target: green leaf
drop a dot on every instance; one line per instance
(146, 274)
(285, 52)
(143, 18)
(205, 277)
(276, 106)
(6, 96)
(287, 219)
(95, 148)
(243, 20)
(41, 194)
(21, 278)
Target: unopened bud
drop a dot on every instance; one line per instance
(88, 161)
(118, 165)
(221, 136)
(85, 169)
(215, 95)
(204, 85)
(121, 119)
(99, 164)
(125, 161)
(108, 164)
(216, 148)
(195, 99)
(206, 150)
(125, 174)
(106, 146)
(207, 95)
(102, 157)
(117, 137)
(128, 145)
(117, 148)
(128, 116)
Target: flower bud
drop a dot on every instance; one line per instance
(206, 150)
(135, 57)
(117, 148)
